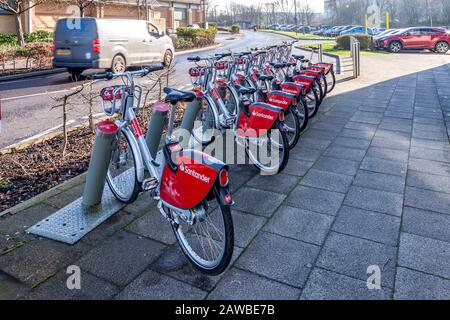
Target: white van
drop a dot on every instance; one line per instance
(113, 44)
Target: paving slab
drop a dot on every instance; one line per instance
(375, 200)
(426, 223)
(326, 285)
(36, 261)
(121, 258)
(92, 288)
(327, 180)
(259, 202)
(314, 199)
(384, 166)
(173, 263)
(335, 165)
(424, 254)
(352, 256)
(242, 285)
(153, 286)
(380, 181)
(368, 225)
(282, 259)
(428, 200)
(300, 224)
(413, 285)
(280, 183)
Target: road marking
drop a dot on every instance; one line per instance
(36, 95)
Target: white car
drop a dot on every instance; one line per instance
(112, 44)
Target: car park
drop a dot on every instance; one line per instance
(357, 30)
(385, 33)
(435, 39)
(112, 44)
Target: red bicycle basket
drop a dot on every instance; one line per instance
(220, 65)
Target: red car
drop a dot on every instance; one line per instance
(436, 39)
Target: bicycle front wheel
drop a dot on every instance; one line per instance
(122, 173)
(206, 235)
(204, 128)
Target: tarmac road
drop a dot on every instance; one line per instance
(27, 104)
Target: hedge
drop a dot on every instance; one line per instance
(10, 39)
(366, 41)
(195, 38)
(235, 28)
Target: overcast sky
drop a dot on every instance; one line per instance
(317, 5)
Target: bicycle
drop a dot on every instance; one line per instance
(187, 185)
(253, 125)
(242, 74)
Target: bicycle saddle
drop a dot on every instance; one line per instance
(298, 57)
(265, 77)
(304, 60)
(174, 96)
(244, 90)
(291, 64)
(278, 65)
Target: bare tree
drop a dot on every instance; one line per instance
(81, 4)
(18, 8)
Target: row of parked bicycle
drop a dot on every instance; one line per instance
(264, 97)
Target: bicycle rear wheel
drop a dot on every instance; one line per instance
(206, 235)
(331, 81)
(122, 174)
(269, 153)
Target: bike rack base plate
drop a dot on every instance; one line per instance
(74, 221)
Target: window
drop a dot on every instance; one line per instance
(180, 14)
(154, 31)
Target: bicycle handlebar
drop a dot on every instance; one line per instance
(142, 73)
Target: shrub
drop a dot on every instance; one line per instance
(37, 36)
(8, 39)
(181, 43)
(235, 28)
(366, 41)
(225, 29)
(195, 37)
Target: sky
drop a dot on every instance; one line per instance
(317, 5)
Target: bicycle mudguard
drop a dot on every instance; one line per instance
(328, 66)
(316, 68)
(293, 88)
(310, 73)
(304, 80)
(190, 184)
(281, 99)
(262, 118)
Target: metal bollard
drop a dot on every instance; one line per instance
(320, 53)
(187, 125)
(98, 166)
(156, 127)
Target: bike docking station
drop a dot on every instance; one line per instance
(98, 203)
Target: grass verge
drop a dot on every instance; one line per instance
(329, 47)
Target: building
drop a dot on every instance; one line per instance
(163, 13)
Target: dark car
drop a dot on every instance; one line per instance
(436, 39)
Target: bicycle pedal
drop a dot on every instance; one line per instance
(149, 184)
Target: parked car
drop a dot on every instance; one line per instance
(385, 33)
(436, 39)
(112, 44)
(358, 30)
(331, 31)
(193, 26)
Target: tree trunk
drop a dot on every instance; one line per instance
(19, 29)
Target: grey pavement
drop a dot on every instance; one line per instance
(368, 185)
